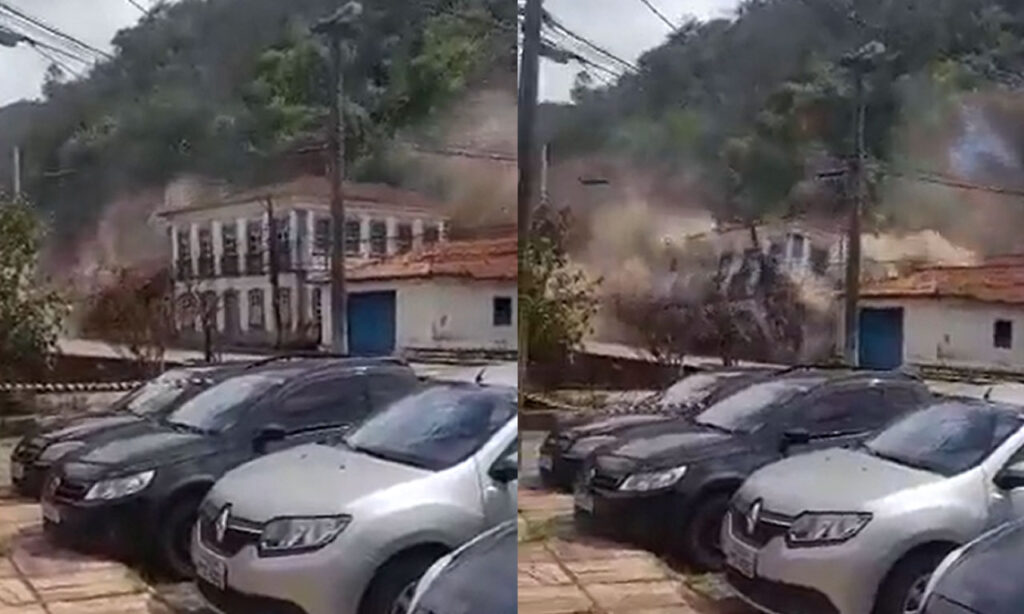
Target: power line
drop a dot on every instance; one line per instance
(660, 15)
(56, 61)
(960, 185)
(554, 23)
(573, 55)
(37, 43)
(136, 4)
(53, 30)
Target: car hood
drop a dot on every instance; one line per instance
(663, 445)
(614, 424)
(835, 479)
(147, 446)
(75, 429)
(978, 579)
(341, 477)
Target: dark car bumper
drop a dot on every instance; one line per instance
(30, 482)
(645, 520)
(116, 529)
(558, 471)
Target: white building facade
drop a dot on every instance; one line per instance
(222, 255)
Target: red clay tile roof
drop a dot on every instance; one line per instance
(481, 259)
(1000, 281)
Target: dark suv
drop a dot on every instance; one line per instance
(137, 496)
(565, 447)
(55, 438)
(668, 486)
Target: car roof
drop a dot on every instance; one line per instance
(288, 367)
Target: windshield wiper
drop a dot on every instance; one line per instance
(187, 428)
(899, 460)
(395, 457)
(715, 427)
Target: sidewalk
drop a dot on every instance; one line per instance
(38, 578)
(562, 572)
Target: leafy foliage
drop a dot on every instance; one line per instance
(226, 88)
(30, 313)
(557, 301)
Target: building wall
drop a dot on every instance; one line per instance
(444, 313)
(957, 333)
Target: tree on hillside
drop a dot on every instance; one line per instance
(31, 314)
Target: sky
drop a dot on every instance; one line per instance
(92, 21)
(626, 28)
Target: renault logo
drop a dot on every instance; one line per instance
(753, 517)
(221, 526)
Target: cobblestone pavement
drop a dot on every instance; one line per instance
(563, 572)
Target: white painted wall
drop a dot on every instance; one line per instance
(957, 333)
(448, 313)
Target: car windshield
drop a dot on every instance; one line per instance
(948, 438)
(154, 397)
(750, 408)
(436, 428)
(688, 391)
(219, 407)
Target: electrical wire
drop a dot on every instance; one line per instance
(573, 54)
(136, 4)
(58, 62)
(552, 22)
(53, 31)
(660, 15)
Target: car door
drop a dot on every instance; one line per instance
(500, 498)
(321, 409)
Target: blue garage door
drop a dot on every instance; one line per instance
(371, 323)
(881, 338)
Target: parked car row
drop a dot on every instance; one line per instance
(816, 490)
(290, 485)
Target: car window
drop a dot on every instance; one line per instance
(153, 398)
(221, 406)
(948, 438)
(687, 391)
(339, 399)
(386, 388)
(436, 428)
(844, 410)
(752, 408)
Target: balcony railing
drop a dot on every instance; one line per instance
(183, 269)
(229, 265)
(254, 264)
(206, 268)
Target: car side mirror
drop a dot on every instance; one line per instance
(1011, 478)
(268, 435)
(505, 471)
(795, 437)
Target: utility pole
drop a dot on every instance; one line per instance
(17, 171)
(335, 27)
(860, 62)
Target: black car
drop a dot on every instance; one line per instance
(477, 578)
(668, 486)
(33, 456)
(980, 578)
(137, 496)
(565, 447)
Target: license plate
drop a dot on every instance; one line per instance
(545, 462)
(740, 557)
(583, 500)
(211, 568)
(17, 471)
(51, 512)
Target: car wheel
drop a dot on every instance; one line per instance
(175, 539)
(701, 539)
(392, 589)
(903, 590)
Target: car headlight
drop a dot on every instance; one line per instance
(293, 535)
(654, 480)
(817, 529)
(586, 445)
(58, 450)
(117, 488)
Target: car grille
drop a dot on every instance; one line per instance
(779, 597)
(231, 601)
(28, 452)
(68, 489)
(768, 527)
(239, 534)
